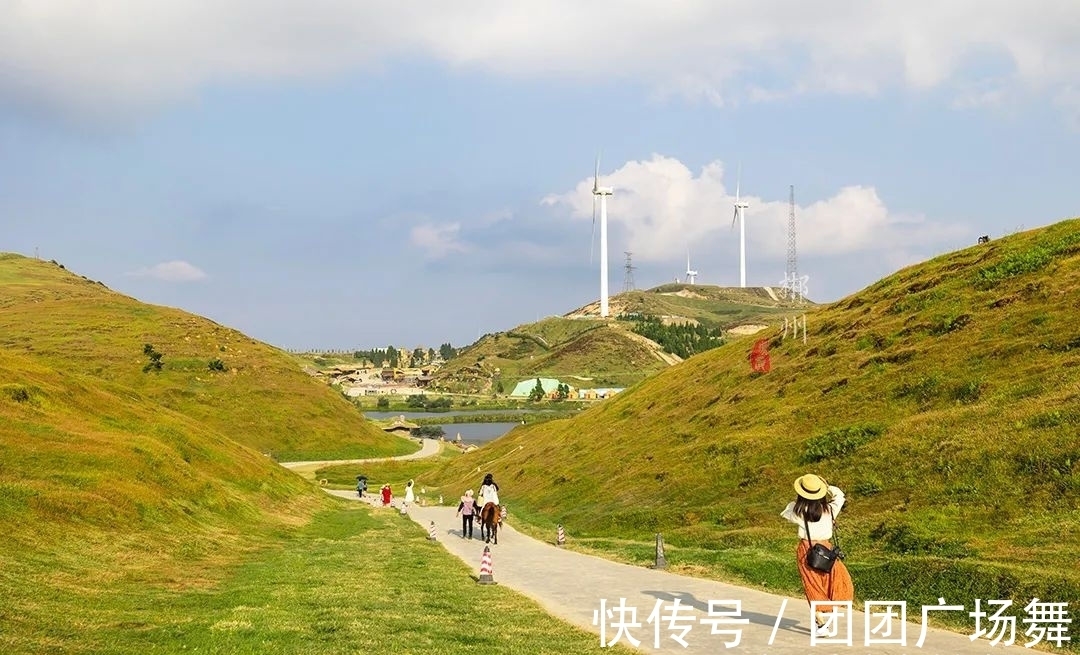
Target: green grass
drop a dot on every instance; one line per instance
(604, 351)
(940, 398)
(347, 582)
(262, 400)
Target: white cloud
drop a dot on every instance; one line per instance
(174, 271)
(437, 240)
(663, 209)
(95, 57)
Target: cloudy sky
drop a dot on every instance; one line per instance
(341, 173)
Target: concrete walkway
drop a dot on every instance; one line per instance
(430, 448)
(571, 586)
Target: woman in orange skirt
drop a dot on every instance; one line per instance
(815, 508)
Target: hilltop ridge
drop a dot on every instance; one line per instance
(607, 352)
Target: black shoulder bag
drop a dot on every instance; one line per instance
(819, 557)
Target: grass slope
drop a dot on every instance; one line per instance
(262, 399)
(943, 399)
(353, 580)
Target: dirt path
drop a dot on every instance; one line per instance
(430, 448)
(571, 586)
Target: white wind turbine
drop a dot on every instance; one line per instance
(691, 274)
(603, 192)
(740, 215)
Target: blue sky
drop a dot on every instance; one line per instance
(353, 175)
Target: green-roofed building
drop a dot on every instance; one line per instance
(525, 387)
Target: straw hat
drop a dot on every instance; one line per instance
(811, 487)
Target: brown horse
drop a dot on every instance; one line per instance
(489, 523)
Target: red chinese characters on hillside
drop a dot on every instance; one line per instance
(759, 357)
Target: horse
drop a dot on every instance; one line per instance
(489, 523)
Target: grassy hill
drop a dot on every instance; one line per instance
(261, 399)
(943, 399)
(140, 514)
(590, 352)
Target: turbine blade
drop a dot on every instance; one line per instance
(735, 217)
(738, 181)
(596, 175)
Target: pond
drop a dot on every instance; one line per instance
(477, 433)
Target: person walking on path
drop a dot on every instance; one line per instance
(386, 495)
(409, 497)
(466, 509)
(489, 491)
(814, 509)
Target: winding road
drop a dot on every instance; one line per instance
(572, 586)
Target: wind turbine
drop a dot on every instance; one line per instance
(691, 274)
(603, 192)
(740, 215)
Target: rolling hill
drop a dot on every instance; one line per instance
(112, 477)
(261, 398)
(943, 399)
(591, 352)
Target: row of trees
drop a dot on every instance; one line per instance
(392, 356)
(681, 339)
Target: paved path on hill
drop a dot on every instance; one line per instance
(430, 448)
(571, 586)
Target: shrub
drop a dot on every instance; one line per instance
(867, 487)
(967, 392)
(838, 442)
(923, 390)
(383, 403)
(16, 392)
(216, 365)
(155, 359)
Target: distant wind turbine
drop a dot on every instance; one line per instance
(603, 193)
(691, 274)
(740, 216)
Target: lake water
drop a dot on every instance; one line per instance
(477, 432)
(382, 416)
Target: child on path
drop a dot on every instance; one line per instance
(814, 509)
(466, 509)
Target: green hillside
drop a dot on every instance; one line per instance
(943, 399)
(261, 398)
(591, 352)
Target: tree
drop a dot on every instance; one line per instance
(562, 392)
(447, 352)
(430, 355)
(417, 358)
(392, 355)
(499, 386)
(537, 393)
(383, 403)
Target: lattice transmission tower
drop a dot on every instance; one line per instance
(792, 253)
(628, 277)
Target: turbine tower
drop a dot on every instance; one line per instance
(740, 216)
(603, 192)
(691, 274)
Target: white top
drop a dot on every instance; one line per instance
(409, 495)
(489, 494)
(821, 529)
